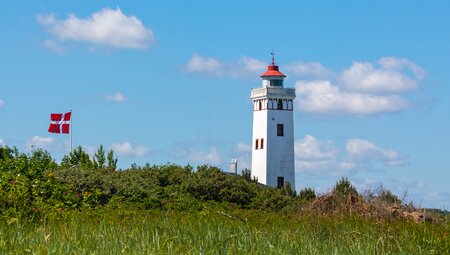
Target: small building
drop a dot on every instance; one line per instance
(273, 161)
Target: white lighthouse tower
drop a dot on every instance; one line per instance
(273, 130)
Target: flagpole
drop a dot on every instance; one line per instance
(71, 118)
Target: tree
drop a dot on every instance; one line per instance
(38, 162)
(307, 194)
(79, 158)
(288, 190)
(345, 187)
(99, 158)
(6, 153)
(112, 162)
(388, 197)
(247, 174)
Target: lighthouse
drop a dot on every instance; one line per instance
(273, 130)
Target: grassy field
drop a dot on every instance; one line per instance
(215, 232)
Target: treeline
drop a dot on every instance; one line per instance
(33, 185)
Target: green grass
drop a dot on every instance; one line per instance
(210, 232)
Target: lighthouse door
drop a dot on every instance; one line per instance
(280, 182)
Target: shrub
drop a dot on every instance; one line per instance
(307, 194)
(388, 197)
(288, 190)
(344, 187)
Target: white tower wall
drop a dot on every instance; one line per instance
(259, 156)
(280, 149)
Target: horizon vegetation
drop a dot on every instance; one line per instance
(84, 205)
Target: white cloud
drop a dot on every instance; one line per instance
(243, 148)
(244, 155)
(54, 46)
(364, 151)
(420, 184)
(213, 67)
(312, 149)
(2, 143)
(391, 75)
(46, 143)
(249, 67)
(200, 157)
(199, 64)
(311, 69)
(437, 200)
(362, 89)
(1, 103)
(117, 97)
(89, 149)
(324, 97)
(433, 196)
(107, 27)
(315, 156)
(394, 63)
(319, 156)
(126, 149)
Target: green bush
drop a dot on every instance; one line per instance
(344, 187)
(307, 194)
(388, 197)
(33, 186)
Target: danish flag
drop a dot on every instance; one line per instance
(60, 123)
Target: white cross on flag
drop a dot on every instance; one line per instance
(60, 123)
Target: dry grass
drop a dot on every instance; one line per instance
(370, 205)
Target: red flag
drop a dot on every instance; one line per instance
(60, 123)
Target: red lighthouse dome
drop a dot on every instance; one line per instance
(272, 70)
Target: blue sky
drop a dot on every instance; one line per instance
(170, 82)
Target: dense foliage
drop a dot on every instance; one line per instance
(86, 205)
(34, 186)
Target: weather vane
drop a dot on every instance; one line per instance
(273, 57)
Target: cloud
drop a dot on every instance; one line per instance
(2, 143)
(437, 200)
(90, 150)
(1, 103)
(319, 156)
(107, 27)
(212, 67)
(117, 97)
(249, 67)
(54, 46)
(324, 97)
(46, 143)
(364, 151)
(312, 149)
(420, 184)
(126, 149)
(311, 69)
(393, 63)
(433, 196)
(243, 148)
(210, 156)
(364, 88)
(390, 75)
(315, 156)
(243, 153)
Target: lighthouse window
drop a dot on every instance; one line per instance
(280, 104)
(262, 143)
(280, 130)
(277, 83)
(256, 144)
